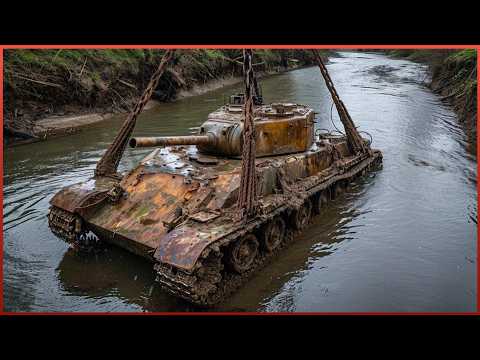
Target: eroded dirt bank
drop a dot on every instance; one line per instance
(454, 77)
(57, 92)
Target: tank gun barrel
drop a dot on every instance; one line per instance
(171, 140)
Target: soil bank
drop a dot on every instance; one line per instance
(454, 77)
(52, 93)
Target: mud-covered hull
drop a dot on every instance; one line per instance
(212, 281)
(178, 210)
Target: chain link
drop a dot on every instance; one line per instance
(247, 196)
(354, 139)
(108, 164)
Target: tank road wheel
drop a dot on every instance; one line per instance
(301, 217)
(274, 234)
(321, 201)
(243, 253)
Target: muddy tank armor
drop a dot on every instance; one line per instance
(177, 207)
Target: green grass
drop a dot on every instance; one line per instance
(464, 55)
(462, 60)
(91, 76)
(72, 58)
(426, 55)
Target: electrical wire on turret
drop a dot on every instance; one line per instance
(333, 123)
(339, 131)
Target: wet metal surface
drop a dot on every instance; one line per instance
(402, 239)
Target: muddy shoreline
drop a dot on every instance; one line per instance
(62, 124)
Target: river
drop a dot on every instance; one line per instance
(402, 239)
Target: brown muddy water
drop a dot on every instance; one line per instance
(402, 239)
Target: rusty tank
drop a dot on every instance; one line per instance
(178, 206)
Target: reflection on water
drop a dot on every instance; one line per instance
(402, 239)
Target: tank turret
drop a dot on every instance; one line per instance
(281, 128)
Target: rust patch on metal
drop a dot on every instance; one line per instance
(150, 199)
(204, 216)
(81, 195)
(182, 247)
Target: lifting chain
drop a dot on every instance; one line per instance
(108, 164)
(354, 140)
(247, 196)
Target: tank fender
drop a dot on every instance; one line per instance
(183, 246)
(72, 198)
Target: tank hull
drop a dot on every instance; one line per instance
(177, 209)
(208, 279)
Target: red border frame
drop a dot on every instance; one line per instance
(184, 46)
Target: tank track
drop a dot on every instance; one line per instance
(209, 284)
(62, 223)
(68, 226)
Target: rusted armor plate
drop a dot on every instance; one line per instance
(159, 196)
(73, 197)
(149, 200)
(204, 216)
(183, 246)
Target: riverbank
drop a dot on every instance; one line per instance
(51, 93)
(454, 78)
